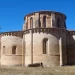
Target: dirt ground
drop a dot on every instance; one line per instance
(64, 70)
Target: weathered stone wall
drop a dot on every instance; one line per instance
(71, 48)
(64, 48)
(53, 20)
(29, 42)
(52, 58)
(7, 58)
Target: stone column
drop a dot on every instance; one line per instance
(25, 22)
(23, 51)
(31, 46)
(60, 49)
(24, 27)
(53, 20)
(42, 21)
(48, 21)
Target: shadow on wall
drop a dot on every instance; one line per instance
(71, 51)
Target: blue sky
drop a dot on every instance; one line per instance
(12, 12)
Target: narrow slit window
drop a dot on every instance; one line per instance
(44, 21)
(45, 45)
(3, 49)
(31, 23)
(58, 22)
(14, 50)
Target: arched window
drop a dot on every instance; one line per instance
(3, 49)
(58, 22)
(31, 22)
(45, 40)
(44, 21)
(14, 50)
(39, 24)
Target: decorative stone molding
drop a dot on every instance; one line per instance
(36, 30)
(45, 12)
(72, 32)
(44, 30)
(14, 33)
(49, 21)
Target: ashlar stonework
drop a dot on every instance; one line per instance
(44, 39)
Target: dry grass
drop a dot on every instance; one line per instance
(68, 70)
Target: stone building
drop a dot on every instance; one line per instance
(44, 39)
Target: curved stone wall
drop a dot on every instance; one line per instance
(44, 19)
(71, 48)
(43, 40)
(7, 56)
(52, 57)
